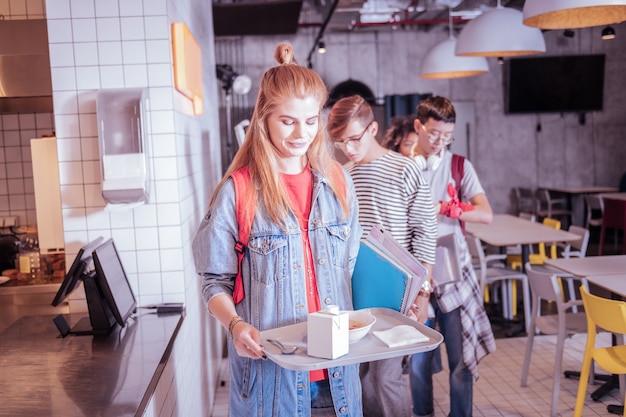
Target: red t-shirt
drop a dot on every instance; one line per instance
(300, 192)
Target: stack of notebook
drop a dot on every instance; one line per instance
(385, 274)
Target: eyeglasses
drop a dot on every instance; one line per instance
(433, 137)
(355, 142)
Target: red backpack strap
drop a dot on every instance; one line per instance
(245, 208)
(458, 163)
(245, 214)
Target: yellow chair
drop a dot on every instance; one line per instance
(608, 315)
(515, 261)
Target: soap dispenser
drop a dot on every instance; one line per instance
(122, 135)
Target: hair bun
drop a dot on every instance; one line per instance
(284, 54)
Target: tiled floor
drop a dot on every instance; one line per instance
(497, 392)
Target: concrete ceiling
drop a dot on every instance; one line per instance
(259, 17)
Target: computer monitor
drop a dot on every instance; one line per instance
(80, 265)
(112, 281)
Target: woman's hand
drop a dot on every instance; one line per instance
(419, 309)
(246, 339)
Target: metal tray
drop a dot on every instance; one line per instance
(365, 350)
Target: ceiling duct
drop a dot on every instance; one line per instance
(379, 11)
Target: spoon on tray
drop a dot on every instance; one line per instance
(285, 350)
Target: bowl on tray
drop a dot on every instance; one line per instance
(361, 321)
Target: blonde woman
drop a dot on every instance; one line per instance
(304, 239)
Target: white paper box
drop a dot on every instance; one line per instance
(327, 333)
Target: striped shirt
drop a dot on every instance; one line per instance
(393, 193)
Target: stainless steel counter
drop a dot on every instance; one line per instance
(19, 299)
(43, 374)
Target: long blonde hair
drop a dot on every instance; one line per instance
(282, 82)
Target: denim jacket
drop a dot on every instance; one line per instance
(275, 293)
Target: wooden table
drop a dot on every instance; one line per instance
(607, 272)
(579, 190)
(591, 265)
(508, 230)
(582, 189)
(614, 216)
(616, 283)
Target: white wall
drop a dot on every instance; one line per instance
(101, 44)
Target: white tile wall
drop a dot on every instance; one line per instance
(99, 44)
(81, 8)
(131, 8)
(107, 8)
(132, 28)
(86, 53)
(110, 53)
(84, 30)
(16, 184)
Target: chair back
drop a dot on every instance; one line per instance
(542, 200)
(595, 210)
(607, 314)
(579, 245)
(478, 254)
(555, 224)
(551, 206)
(447, 268)
(544, 285)
(525, 199)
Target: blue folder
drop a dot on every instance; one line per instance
(377, 281)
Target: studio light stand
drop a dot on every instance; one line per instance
(232, 82)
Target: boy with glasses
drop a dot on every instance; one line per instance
(392, 193)
(458, 306)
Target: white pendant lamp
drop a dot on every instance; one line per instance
(440, 62)
(573, 14)
(499, 32)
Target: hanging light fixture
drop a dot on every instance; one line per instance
(573, 14)
(608, 33)
(321, 47)
(440, 61)
(499, 32)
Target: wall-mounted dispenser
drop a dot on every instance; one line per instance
(122, 136)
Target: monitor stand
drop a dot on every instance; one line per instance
(100, 320)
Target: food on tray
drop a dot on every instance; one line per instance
(354, 324)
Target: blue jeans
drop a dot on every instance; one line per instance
(461, 380)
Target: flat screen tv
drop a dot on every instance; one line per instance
(80, 265)
(554, 84)
(113, 283)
